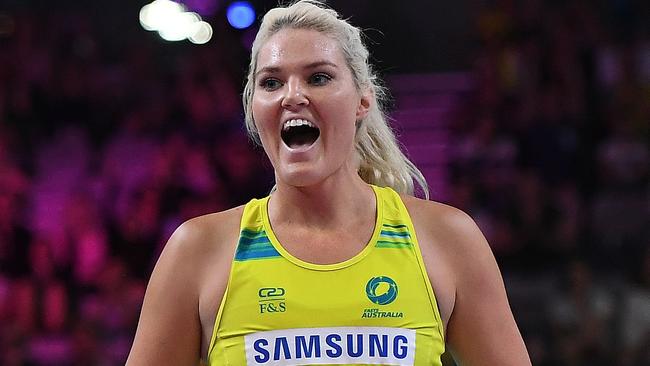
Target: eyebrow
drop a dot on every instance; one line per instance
(313, 65)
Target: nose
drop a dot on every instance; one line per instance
(295, 95)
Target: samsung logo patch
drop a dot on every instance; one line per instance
(335, 345)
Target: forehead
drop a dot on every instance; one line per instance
(291, 46)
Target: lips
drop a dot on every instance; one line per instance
(299, 133)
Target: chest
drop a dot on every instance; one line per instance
(324, 247)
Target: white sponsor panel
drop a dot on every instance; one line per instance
(334, 345)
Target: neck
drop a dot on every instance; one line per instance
(327, 205)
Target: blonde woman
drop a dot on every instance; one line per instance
(340, 264)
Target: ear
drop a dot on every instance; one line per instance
(364, 104)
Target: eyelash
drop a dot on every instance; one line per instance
(313, 80)
(319, 75)
(264, 83)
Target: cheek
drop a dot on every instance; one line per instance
(344, 112)
(262, 118)
(256, 112)
(341, 139)
(262, 115)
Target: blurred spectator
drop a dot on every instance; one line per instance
(14, 185)
(635, 316)
(111, 312)
(581, 315)
(51, 344)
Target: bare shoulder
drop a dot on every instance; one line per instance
(170, 330)
(449, 238)
(453, 230)
(446, 235)
(204, 233)
(198, 241)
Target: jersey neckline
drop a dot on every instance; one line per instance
(332, 266)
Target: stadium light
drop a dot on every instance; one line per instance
(173, 22)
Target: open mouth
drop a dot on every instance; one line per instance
(298, 133)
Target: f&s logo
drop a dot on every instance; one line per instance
(381, 290)
(272, 300)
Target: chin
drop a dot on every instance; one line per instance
(300, 177)
(310, 174)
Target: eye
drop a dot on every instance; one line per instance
(270, 84)
(319, 79)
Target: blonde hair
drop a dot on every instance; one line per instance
(381, 161)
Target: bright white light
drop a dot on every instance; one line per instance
(145, 17)
(202, 33)
(159, 13)
(173, 23)
(179, 27)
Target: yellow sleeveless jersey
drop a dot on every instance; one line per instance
(377, 308)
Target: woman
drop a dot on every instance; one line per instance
(328, 269)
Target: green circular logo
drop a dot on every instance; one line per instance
(385, 296)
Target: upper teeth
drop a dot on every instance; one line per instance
(297, 122)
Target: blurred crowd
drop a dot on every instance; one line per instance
(551, 157)
(104, 151)
(106, 147)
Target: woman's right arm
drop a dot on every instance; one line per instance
(169, 329)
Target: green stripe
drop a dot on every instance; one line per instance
(254, 245)
(394, 234)
(394, 239)
(254, 255)
(390, 244)
(252, 234)
(397, 231)
(396, 226)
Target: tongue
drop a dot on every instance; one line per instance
(302, 140)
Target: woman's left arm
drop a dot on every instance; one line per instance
(481, 329)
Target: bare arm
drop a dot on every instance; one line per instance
(482, 329)
(169, 330)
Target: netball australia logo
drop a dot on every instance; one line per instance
(381, 290)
